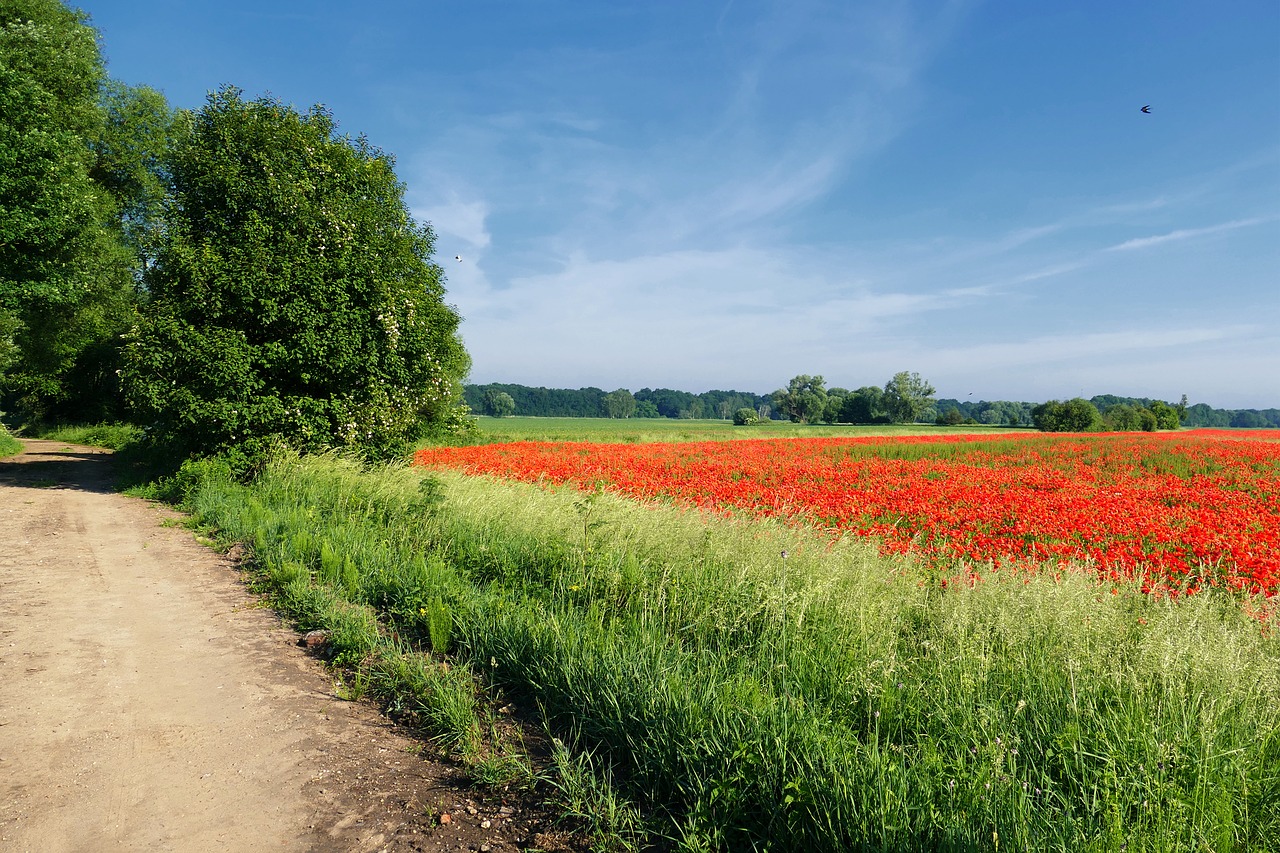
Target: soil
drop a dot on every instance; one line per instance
(148, 701)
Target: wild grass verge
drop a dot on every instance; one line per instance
(110, 436)
(747, 685)
(9, 446)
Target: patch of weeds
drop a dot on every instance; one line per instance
(585, 793)
(353, 687)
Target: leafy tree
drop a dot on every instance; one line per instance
(906, 396)
(1204, 415)
(65, 277)
(951, 417)
(129, 160)
(864, 406)
(746, 417)
(500, 404)
(832, 412)
(1121, 417)
(646, 409)
(724, 403)
(804, 400)
(1167, 417)
(670, 403)
(1249, 419)
(542, 402)
(1076, 415)
(293, 295)
(620, 403)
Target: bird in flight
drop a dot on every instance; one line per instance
(457, 258)
(1147, 109)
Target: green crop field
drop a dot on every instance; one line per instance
(635, 430)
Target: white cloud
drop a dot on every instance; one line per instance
(743, 315)
(459, 219)
(1184, 234)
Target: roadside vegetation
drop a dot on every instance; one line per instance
(706, 692)
(9, 445)
(112, 436)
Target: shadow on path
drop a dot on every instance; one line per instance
(57, 465)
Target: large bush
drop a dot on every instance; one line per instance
(293, 295)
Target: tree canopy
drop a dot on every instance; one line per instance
(804, 400)
(293, 294)
(66, 275)
(1076, 415)
(906, 397)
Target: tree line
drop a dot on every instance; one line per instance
(229, 277)
(905, 398)
(502, 399)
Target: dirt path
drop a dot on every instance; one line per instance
(146, 703)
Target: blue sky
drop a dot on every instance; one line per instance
(724, 195)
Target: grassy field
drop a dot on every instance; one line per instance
(717, 684)
(635, 430)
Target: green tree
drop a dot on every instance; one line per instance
(864, 406)
(1122, 417)
(951, 417)
(620, 403)
(906, 397)
(804, 400)
(65, 277)
(1076, 415)
(746, 417)
(833, 410)
(500, 404)
(293, 295)
(1167, 417)
(138, 130)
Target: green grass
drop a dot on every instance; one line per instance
(110, 436)
(9, 446)
(634, 430)
(830, 699)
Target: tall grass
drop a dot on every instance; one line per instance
(110, 436)
(756, 686)
(9, 446)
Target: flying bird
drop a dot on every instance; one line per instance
(1147, 109)
(458, 258)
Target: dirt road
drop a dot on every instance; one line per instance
(148, 703)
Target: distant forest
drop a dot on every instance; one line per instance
(669, 403)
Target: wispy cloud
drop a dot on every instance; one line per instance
(459, 219)
(1184, 234)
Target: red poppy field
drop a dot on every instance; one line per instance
(1182, 510)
